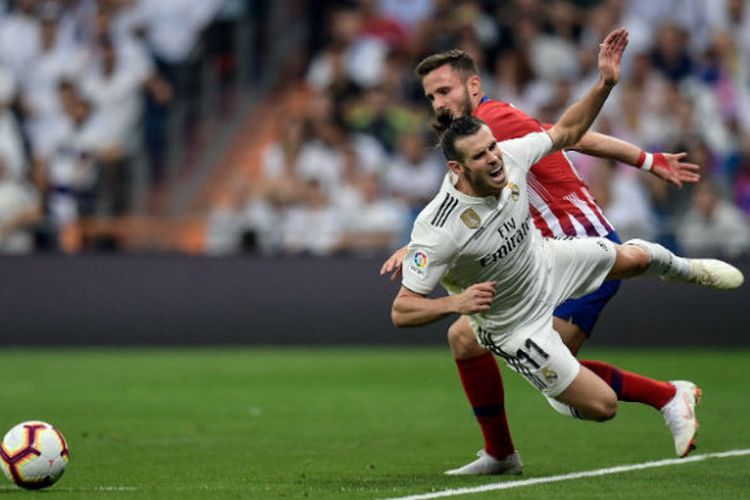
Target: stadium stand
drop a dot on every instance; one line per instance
(224, 137)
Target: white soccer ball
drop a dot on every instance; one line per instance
(33, 454)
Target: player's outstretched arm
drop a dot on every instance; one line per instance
(668, 167)
(578, 117)
(412, 309)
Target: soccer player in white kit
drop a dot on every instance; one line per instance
(477, 238)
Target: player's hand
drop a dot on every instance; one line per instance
(610, 56)
(476, 298)
(393, 264)
(670, 168)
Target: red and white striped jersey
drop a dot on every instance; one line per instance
(560, 201)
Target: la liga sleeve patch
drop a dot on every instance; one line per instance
(419, 262)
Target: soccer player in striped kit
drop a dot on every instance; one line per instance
(561, 206)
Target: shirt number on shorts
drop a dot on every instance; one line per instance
(532, 351)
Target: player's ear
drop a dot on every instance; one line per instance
(455, 167)
(474, 84)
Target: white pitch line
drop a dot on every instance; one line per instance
(575, 475)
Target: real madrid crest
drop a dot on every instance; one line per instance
(471, 219)
(515, 192)
(549, 375)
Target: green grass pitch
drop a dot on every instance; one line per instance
(349, 423)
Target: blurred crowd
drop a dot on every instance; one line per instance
(86, 90)
(355, 161)
(89, 89)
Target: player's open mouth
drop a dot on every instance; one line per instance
(497, 174)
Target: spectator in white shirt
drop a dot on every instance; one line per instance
(20, 211)
(90, 141)
(114, 89)
(53, 62)
(415, 173)
(376, 223)
(11, 143)
(315, 227)
(119, 21)
(360, 58)
(713, 226)
(19, 36)
(174, 26)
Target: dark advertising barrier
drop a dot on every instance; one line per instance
(160, 300)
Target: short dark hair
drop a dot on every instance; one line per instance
(460, 127)
(455, 58)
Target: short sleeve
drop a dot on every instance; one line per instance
(527, 150)
(429, 256)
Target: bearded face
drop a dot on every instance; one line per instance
(448, 92)
(444, 116)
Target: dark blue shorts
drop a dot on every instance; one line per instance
(584, 311)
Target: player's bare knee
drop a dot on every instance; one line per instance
(463, 342)
(631, 261)
(604, 410)
(598, 407)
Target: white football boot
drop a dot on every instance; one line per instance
(713, 273)
(679, 414)
(487, 464)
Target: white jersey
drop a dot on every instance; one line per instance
(461, 240)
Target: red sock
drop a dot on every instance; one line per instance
(630, 386)
(483, 386)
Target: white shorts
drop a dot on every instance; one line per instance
(534, 349)
(578, 266)
(537, 353)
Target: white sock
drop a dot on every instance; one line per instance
(663, 262)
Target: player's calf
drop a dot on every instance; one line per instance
(630, 261)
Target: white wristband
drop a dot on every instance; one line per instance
(646, 161)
